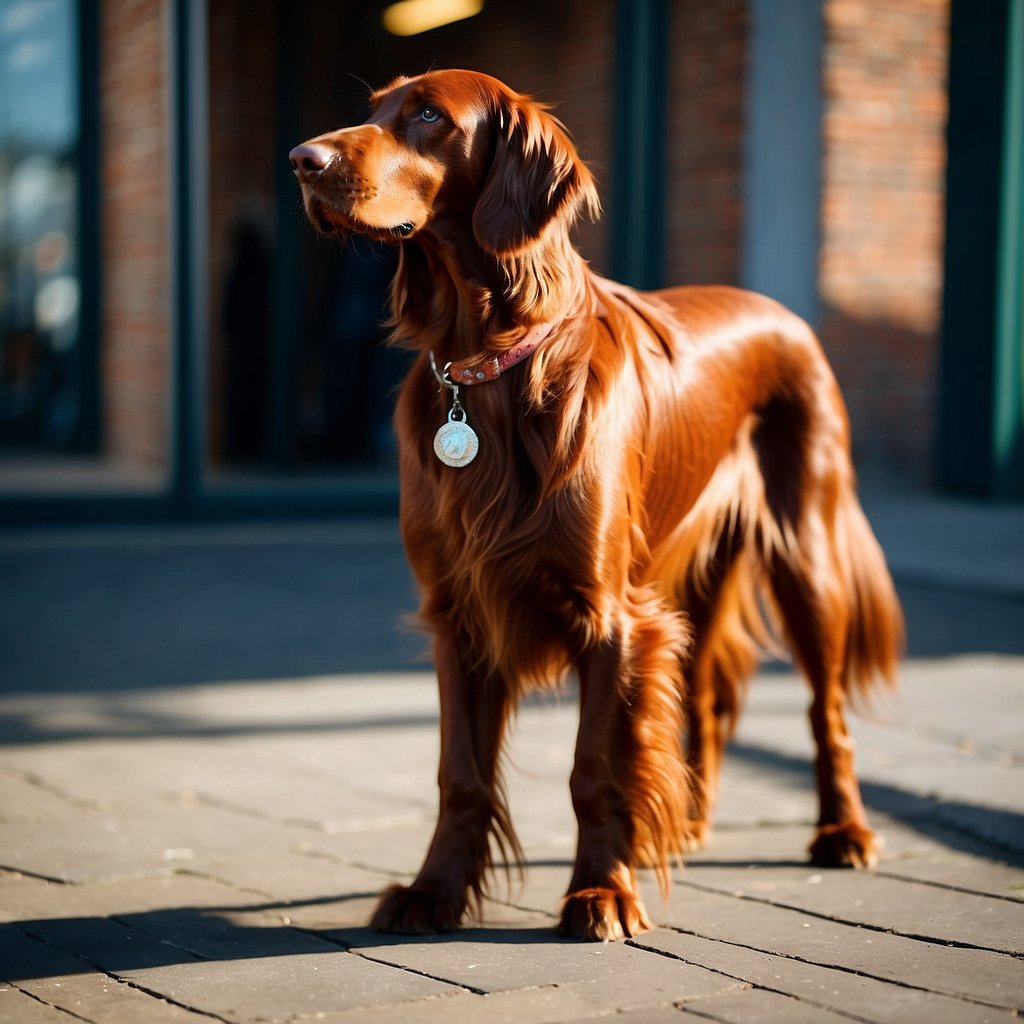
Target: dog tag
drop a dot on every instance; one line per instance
(456, 443)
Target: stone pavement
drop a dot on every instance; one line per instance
(216, 747)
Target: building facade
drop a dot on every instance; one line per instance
(175, 340)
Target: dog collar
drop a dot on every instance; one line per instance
(456, 443)
(487, 366)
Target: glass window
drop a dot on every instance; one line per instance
(40, 366)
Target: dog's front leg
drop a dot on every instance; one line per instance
(474, 712)
(602, 902)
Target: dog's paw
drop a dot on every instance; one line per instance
(405, 910)
(848, 844)
(602, 915)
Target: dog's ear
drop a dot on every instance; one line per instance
(536, 177)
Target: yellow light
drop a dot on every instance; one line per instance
(411, 17)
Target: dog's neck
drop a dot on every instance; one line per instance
(452, 297)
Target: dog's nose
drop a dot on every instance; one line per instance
(310, 160)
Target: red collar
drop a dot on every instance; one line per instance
(486, 366)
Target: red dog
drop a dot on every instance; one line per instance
(621, 485)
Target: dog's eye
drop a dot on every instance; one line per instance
(429, 114)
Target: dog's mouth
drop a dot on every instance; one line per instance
(331, 220)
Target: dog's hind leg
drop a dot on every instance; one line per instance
(808, 480)
(818, 620)
(475, 707)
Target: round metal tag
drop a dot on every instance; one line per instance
(456, 443)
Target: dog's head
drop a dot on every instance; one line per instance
(448, 150)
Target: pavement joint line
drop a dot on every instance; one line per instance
(304, 824)
(128, 982)
(424, 806)
(162, 939)
(30, 778)
(51, 879)
(314, 773)
(638, 943)
(818, 915)
(406, 969)
(208, 876)
(46, 1002)
(857, 973)
(525, 908)
(948, 886)
(333, 858)
(153, 994)
(694, 1009)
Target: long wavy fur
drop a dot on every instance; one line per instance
(661, 459)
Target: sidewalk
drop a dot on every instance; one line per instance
(216, 748)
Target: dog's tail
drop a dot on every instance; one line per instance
(877, 632)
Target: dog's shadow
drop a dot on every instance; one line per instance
(360, 939)
(120, 944)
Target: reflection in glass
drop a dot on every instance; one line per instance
(40, 385)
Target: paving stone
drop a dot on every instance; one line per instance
(17, 889)
(18, 1008)
(597, 998)
(987, 977)
(919, 751)
(114, 771)
(292, 877)
(399, 849)
(652, 986)
(861, 897)
(198, 915)
(71, 987)
(137, 838)
(837, 990)
(257, 974)
(744, 799)
(24, 898)
(647, 1015)
(274, 784)
(285, 988)
(973, 874)
(223, 858)
(906, 853)
(24, 799)
(103, 943)
(496, 960)
(754, 1006)
(188, 914)
(549, 1005)
(932, 686)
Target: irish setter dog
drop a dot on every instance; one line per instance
(643, 488)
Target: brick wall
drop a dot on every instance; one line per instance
(707, 72)
(880, 269)
(135, 356)
(883, 139)
(881, 206)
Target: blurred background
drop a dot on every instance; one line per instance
(175, 342)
